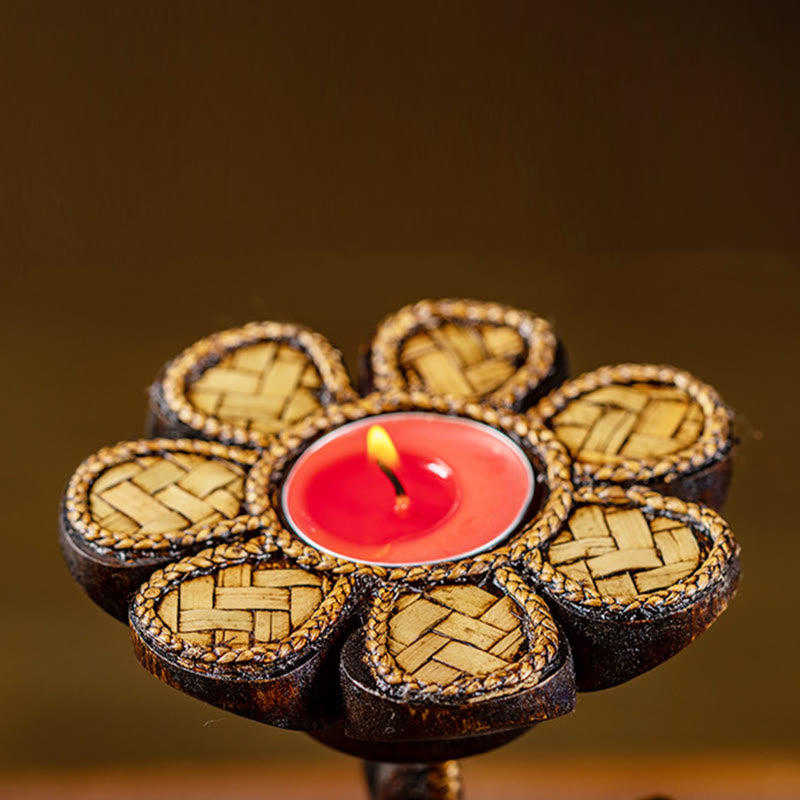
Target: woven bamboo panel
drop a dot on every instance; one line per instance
(454, 631)
(467, 361)
(153, 495)
(638, 421)
(262, 387)
(240, 606)
(620, 553)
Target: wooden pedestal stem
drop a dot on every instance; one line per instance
(437, 781)
(441, 780)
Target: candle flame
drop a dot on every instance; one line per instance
(380, 447)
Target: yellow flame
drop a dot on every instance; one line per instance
(380, 447)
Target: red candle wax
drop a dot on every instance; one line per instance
(468, 487)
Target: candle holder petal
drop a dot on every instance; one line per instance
(465, 348)
(642, 423)
(243, 385)
(246, 629)
(134, 507)
(633, 578)
(454, 662)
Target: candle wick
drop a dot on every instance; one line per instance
(401, 501)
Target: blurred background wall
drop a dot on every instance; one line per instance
(628, 170)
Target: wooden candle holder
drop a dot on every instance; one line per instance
(620, 561)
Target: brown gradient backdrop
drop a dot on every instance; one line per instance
(168, 169)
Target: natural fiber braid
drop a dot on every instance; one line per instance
(714, 439)
(77, 503)
(540, 630)
(261, 495)
(211, 349)
(699, 518)
(144, 609)
(535, 331)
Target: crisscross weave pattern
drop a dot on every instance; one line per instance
(154, 496)
(453, 631)
(620, 553)
(263, 387)
(639, 421)
(240, 606)
(464, 360)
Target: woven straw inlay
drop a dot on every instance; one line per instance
(639, 421)
(263, 387)
(620, 553)
(467, 361)
(240, 606)
(161, 496)
(452, 632)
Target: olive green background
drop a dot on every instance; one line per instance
(629, 171)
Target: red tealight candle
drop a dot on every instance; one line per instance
(408, 488)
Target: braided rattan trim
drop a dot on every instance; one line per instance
(210, 350)
(77, 504)
(145, 618)
(536, 332)
(713, 441)
(527, 671)
(262, 494)
(699, 518)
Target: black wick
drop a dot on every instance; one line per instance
(398, 487)
(401, 497)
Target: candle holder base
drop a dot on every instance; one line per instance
(430, 654)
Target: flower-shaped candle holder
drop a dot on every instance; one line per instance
(615, 561)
